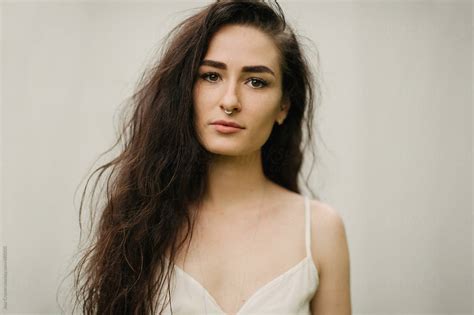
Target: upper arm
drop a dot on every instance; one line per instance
(330, 248)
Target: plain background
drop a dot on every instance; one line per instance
(396, 118)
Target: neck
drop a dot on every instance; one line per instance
(235, 184)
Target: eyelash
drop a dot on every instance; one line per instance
(262, 83)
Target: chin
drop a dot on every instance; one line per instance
(224, 151)
(230, 150)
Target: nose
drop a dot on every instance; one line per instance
(230, 100)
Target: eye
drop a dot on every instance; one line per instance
(214, 76)
(210, 76)
(257, 83)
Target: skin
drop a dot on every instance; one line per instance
(236, 170)
(331, 251)
(236, 178)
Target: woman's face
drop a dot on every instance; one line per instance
(240, 72)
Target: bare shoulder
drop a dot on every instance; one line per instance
(330, 251)
(328, 234)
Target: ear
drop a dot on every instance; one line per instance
(284, 108)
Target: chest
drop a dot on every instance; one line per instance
(232, 262)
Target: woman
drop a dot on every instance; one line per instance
(205, 190)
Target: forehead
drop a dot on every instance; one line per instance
(238, 45)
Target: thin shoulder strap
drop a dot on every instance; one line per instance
(307, 226)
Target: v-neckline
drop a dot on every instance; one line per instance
(252, 296)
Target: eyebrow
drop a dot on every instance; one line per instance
(254, 69)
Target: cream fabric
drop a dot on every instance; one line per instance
(288, 293)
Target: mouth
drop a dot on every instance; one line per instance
(226, 129)
(227, 123)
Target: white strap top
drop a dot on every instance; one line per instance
(289, 293)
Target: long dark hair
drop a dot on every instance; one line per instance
(162, 168)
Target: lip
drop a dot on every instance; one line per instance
(226, 129)
(227, 123)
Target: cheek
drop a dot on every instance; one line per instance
(264, 110)
(263, 119)
(201, 97)
(198, 103)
